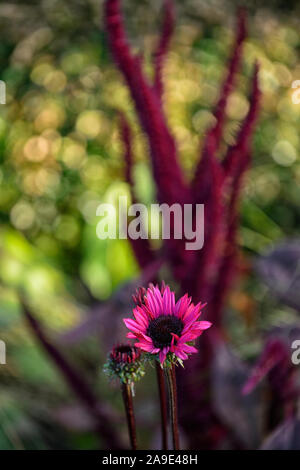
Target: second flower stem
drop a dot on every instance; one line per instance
(128, 404)
(163, 405)
(172, 389)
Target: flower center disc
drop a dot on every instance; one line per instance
(124, 349)
(123, 353)
(160, 330)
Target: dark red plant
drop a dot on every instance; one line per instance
(206, 274)
(275, 365)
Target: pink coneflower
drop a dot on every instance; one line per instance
(124, 353)
(125, 363)
(162, 326)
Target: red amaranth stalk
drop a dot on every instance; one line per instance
(163, 45)
(235, 165)
(141, 247)
(215, 133)
(171, 186)
(126, 138)
(229, 83)
(207, 274)
(233, 161)
(208, 260)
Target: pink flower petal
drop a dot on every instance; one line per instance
(193, 331)
(189, 336)
(145, 346)
(182, 355)
(130, 335)
(141, 316)
(168, 301)
(189, 349)
(189, 325)
(154, 301)
(163, 354)
(182, 306)
(190, 314)
(134, 326)
(145, 337)
(204, 325)
(174, 337)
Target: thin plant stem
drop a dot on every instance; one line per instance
(128, 404)
(172, 389)
(163, 405)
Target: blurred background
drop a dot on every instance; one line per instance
(61, 155)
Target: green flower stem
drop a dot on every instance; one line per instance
(172, 389)
(128, 404)
(163, 405)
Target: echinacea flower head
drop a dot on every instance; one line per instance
(125, 362)
(138, 297)
(164, 327)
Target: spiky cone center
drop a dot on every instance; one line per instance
(162, 330)
(125, 362)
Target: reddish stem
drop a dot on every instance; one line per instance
(128, 404)
(171, 380)
(163, 405)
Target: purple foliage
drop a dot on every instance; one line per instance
(276, 367)
(286, 437)
(76, 382)
(279, 269)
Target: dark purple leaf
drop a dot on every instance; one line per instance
(285, 437)
(242, 414)
(280, 270)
